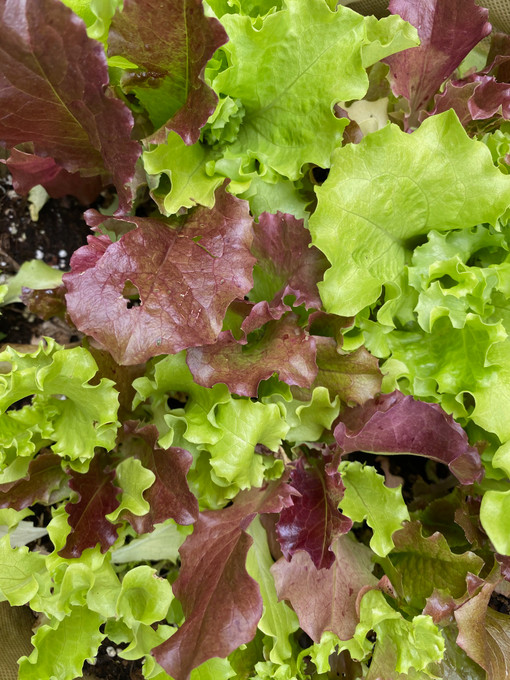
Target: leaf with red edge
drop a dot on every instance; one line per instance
(43, 479)
(476, 97)
(286, 265)
(186, 270)
(169, 496)
(283, 347)
(484, 634)
(223, 606)
(170, 43)
(313, 522)
(28, 170)
(325, 599)
(52, 94)
(448, 30)
(97, 496)
(394, 423)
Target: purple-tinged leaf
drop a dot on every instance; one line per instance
(394, 423)
(97, 497)
(169, 496)
(484, 634)
(325, 599)
(476, 97)
(28, 170)
(314, 521)
(284, 348)
(185, 270)
(45, 303)
(286, 265)
(53, 94)
(448, 30)
(213, 579)
(41, 484)
(353, 376)
(170, 43)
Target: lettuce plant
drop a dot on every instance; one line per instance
(300, 291)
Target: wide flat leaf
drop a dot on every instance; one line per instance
(169, 496)
(325, 599)
(366, 497)
(289, 117)
(186, 271)
(217, 551)
(439, 568)
(447, 31)
(282, 347)
(286, 264)
(170, 43)
(53, 95)
(394, 423)
(28, 170)
(18, 582)
(384, 192)
(44, 477)
(313, 522)
(484, 634)
(97, 496)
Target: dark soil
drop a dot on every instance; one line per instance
(109, 666)
(58, 232)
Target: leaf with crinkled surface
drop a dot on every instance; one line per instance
(286, 264)
(62, 108)
(366, 497)
(439, 567)
(278, 620)
(325, 599)
(384, 192)
(87, 516)
(218, 548)
(289, 119)
(313, 522)
(61, 647)
(144, 597)
(84, 418)
(476, 97)
(185, 167)
(281, 346)
(447, 33)
(186, 271)
(170, 43)
(394, 423)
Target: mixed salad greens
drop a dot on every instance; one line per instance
(303, 280)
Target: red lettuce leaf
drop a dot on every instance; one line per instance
(284, 348)
(221, 602)
(169, 496)
(97, 497)
(44, 477)
(186, 270)
(314, 521)
(45, 303)
(484, 634)
(52, 94)
(27, 170)
(394, 423)
(448, 30)
(170, 43)
(286, 262)
(476, 97)
(325, 599)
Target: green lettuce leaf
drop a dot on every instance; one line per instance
(289, 119)
(367, 219)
